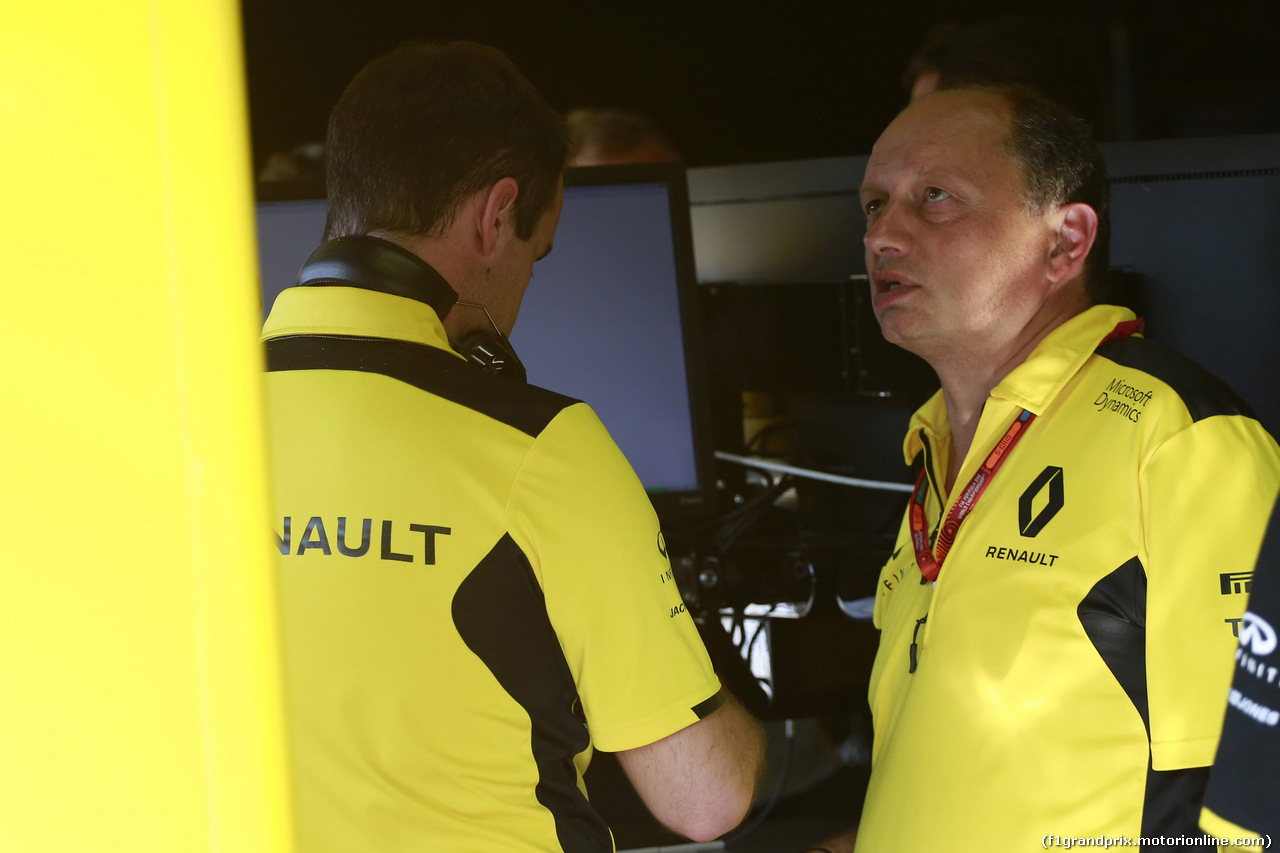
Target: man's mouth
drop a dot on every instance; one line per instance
(889, 283)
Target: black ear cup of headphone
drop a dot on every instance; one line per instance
(493, 353)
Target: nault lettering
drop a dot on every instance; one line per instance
(315, 538)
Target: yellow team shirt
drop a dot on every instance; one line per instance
(475, 590)
(1072, 657)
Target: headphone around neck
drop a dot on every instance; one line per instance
(375, 264)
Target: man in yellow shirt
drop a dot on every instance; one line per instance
(476, 593)
(1056, 621)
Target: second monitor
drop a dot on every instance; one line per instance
(609, 317)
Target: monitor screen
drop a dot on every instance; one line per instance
(609, 317)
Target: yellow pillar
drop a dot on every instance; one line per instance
(140, 703)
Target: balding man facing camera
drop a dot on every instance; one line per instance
(1056, 624)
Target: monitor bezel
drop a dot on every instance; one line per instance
(674, 508)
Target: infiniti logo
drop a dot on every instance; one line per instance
(1257, 635)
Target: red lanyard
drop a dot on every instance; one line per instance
(931, 565)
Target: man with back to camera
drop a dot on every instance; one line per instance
(475, 588)
(1056, 622)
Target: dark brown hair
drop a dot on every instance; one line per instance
(425, 127)
(1061, 164)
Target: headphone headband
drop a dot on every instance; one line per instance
(376, 264)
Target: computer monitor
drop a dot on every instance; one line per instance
(610, 316)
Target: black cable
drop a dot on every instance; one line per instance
(748, 515)
(737, 623)
(755, 635)
(749, 649)
(768, 496)
(767, 430)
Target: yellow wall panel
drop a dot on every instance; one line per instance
(140, 706)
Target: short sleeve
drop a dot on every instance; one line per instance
(593, 540)
(1207, 494)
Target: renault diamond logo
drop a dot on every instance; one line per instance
(1028, 524)
(1257, 635)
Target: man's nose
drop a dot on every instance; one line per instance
(887, 233)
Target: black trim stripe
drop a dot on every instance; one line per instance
(709, 706)
(937, 493)
(501, 615)
(523, 407)
(1204, 394)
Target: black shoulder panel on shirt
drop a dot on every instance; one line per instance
(501, 614)
(1204, 394)
(523, 407)
(1114, 617)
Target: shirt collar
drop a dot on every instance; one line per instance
(1036, 383)
(354, 311)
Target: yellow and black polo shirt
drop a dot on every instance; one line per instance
(1068, 667)
(475, 590)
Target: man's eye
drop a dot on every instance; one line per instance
(872, 206)
(935, 194)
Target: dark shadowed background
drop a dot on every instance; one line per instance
(737, 81)
(748, 81)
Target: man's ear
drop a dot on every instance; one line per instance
(1077, 229)
(499, 214)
